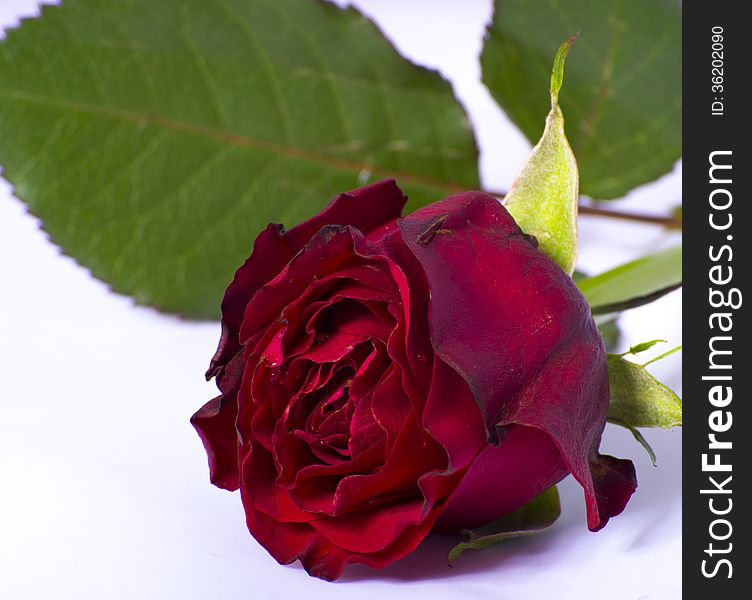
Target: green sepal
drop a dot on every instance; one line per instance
(534, 517)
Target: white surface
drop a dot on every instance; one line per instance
(104, 483)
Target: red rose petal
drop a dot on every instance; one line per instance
(410, 539)
(215, 424)
(498, 307)
(370, 530)
(271, 252)
(516, 328)
(315, 485)
(411, 457)
(390, 406)
(411, 347)
(553, 402)
(614, 480)
(370, 371)
(260, 473)
(503, 478)
(364, 430)
(452, 417)
(366, 208)
(328, 250)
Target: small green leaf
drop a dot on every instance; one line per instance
(638, 399)
(557, 73)
(642, 347)
(543, 198)
(623, 100)
(534, 517)
(639, 438)
(634, 283)
(664, 355)
(155, 139)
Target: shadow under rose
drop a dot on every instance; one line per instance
(429, 560)
(658, 494)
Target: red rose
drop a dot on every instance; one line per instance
(382, 376)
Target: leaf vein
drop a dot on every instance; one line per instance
(288, 151)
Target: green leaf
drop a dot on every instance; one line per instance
(623, 96)
(534, 517)
(638, 399)
(640, 439)
(156, 139)
(579, 275)
(634, 283)
(610, 332)
(661, 356)
(608, 325)
(543, 198)
(643, 346)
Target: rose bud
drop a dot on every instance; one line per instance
(383, 376)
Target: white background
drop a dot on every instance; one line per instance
(104, 490)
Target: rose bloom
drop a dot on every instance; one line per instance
(383, 376)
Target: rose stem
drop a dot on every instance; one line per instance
(668, 221)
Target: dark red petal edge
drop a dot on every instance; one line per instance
(365, 209)
(290, 541)
(215, 424)
(615, 481)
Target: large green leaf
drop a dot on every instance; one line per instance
(156, 138)
(623, 94)
(634, 283)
